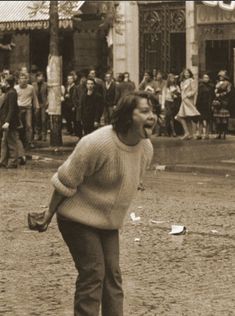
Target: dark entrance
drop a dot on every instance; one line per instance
(162, 37)
(219, 55)
(39, 49)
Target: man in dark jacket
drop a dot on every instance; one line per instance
(70, 104)
(109, 97)
(9, 118)
(91, 107)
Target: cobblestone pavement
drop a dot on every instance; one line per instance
(191, 274)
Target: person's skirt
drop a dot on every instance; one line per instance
(221, 116)
(188, 110)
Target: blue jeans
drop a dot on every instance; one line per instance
(96, 256)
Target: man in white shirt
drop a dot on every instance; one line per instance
(27, 102)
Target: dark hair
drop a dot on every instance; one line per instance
(11, 80)
(122, 115)
(39, 73)
(91, 79)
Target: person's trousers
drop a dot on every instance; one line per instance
(41, 121)
(96, 256)
(9, 149)
(26, 133)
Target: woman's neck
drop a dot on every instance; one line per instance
(129, 139)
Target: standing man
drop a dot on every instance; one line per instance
(99, 84)
(9, 122)
(70, 104)
(27, 101)
(40, 88)
(91, 107)
(109, 97)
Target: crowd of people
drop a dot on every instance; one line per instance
(181, 103)
(199, 106)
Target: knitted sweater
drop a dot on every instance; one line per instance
(100, 178)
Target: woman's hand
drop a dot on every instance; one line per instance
(44, 222)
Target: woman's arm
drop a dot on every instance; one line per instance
(55, 202)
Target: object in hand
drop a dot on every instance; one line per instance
(35, 221)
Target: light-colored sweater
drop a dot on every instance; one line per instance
(100, 178)
(27, 96)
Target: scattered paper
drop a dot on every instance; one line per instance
(140, 207)
(34, 157)
(214, 231)
(194, 173)
(177, 230)
(137, 239)
(157, 222)
(134, 217)
(200, 183)
(227, 175)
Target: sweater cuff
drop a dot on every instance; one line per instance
(61, 188)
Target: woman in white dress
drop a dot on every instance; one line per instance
(188, 112)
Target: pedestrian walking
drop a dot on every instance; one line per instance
(170, 101)
(188, 112)
(92, 106)
(221, 104)
(9, 122)
(205, 97)
(28, 104)
(93, 191)
(109, 97)
(40, 87)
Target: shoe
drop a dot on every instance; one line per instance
(2, 165)
(198, 137)
(22, 160)
(218, 137)
(186, 137)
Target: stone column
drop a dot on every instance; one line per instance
(126, 40)
(191, 38)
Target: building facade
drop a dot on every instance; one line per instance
(171, 35)
(82, 42)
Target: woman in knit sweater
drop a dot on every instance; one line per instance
(94, 188)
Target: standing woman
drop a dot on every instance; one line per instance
(187, 112)
(93, 191)
(170, 97)
(221, 104)
(204, 101)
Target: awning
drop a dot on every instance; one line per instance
(18, 15)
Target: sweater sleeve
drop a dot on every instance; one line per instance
(84, 161)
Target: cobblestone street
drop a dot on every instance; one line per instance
(191, 274)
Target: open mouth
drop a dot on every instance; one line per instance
(148, 130)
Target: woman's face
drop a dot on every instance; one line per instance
(186, 74)
(144, 119)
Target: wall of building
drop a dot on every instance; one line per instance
(126, 40)
(20, 55)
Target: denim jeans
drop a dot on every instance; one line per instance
(96, 256)
(41, 121)
(26, 134)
